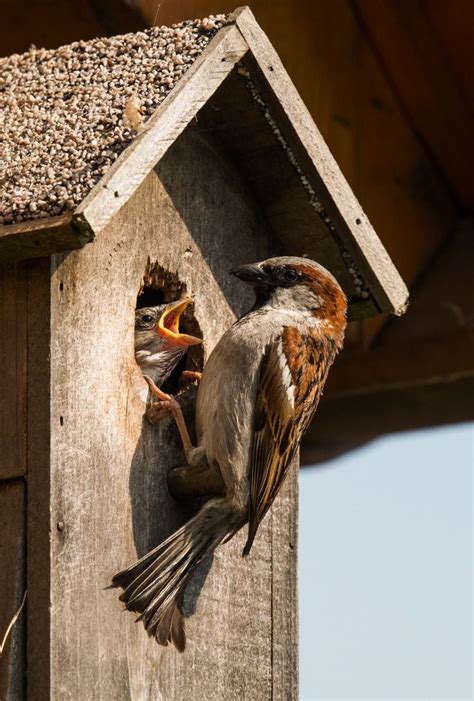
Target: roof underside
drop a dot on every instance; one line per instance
(71, 112)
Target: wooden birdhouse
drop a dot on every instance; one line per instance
(137, 169)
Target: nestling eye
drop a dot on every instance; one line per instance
(290, 275)
(147, 318)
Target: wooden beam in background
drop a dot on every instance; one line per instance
(420, 372)
(12, 587)
(118, 16)
(410, 364)
(411, 51)
(13, 370)
(343, 425)
(341, 81)
(53, 23)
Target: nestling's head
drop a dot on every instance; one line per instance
(296, 284)
(159, 326)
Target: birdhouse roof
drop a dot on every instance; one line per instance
(84, 124)
(68, 113)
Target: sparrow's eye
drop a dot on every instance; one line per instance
(147, 318)
(290, 275)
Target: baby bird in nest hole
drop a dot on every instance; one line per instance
(258, 392)
(159, 346)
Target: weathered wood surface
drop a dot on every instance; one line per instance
(108, 495)
(13, 369)
(409, 43)
(318, 163)
(327, 54)
(39, 479)
(41, 237)
(117, 17)
(162, 129)
(421, 371)
(12, 588)
(284, 595)
(282, 154)
(51, 24)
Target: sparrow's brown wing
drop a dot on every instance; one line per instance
(291, 378)
(274, 440)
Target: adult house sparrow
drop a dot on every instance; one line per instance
(258, 392)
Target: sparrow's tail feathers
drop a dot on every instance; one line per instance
(154, 585)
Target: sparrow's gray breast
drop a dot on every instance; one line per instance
(226, 396)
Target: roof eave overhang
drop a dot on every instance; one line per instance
(243, 39)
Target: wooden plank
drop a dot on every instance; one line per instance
(284, 593)
(412, 362)
(392, 409)
(12, 586)
(242, 133)
(319, 166)
(411, 52)
(51, 24)
(46, 23)
(39, 479)
(454, 24)
(13, 370)
(162, 129)
(434, 340)
(421, 367)
(355, 108)
(118, 17)
(41, 237)
(109, 466)
(402, 191)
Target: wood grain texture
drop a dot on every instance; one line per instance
(285, 590)
(408, 43)
(46, 23)
(39, 479)
(390, 410)
(386, 284)
(350, 97)
(41, 237)
(420, 372)
(12, 587)
(109, 465)
(280, 150)
(13, 369)
(117, 17)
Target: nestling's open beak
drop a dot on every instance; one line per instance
(252, 275)
(168, 324)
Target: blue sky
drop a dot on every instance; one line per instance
(385, 570)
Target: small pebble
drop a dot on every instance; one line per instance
(62, 111)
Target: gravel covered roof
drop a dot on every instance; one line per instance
(66, 114)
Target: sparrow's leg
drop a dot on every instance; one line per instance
(169, 403)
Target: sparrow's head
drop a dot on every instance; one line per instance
(160, 326)
(296, 284)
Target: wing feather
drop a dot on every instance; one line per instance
(274, 428)
(287, 398)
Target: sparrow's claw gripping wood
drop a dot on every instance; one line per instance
(169, 404)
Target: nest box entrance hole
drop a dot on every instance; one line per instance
(160, 286)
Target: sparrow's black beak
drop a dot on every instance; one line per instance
(252, 275)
